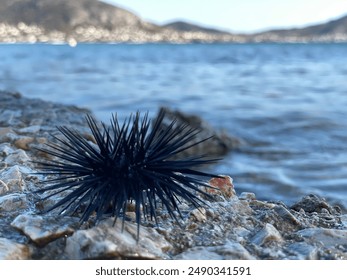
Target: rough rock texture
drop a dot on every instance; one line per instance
(228, 226)
(107, 240)
(43, 230)
(10, 250)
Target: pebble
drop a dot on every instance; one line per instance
(247, 196)
(13, 202)
(326, 236)
(262, 204)
(223, 186)
(229, 251)
(304, 251)
(312, 203)
(106, 241)
(199, 214)
(10, 116)
(8, 137)
(18, 156)
(239, 206)
(267, 234)
(5, 150)
(12, 178)
(286, 215)
(42, 230)
(30, 129)
(5, 134)
(22, 142)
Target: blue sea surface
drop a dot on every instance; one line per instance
(286, 102)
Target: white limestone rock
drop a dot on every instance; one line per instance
(109, 241)
(42, 230)
(229, 251)
(13, 202)
(198, 214)
(267, 234)
(17, 157)
(10, 250)
(327, 237)
(13, 179)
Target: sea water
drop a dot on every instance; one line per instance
(287, 103)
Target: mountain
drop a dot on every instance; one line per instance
(189, 27)
(67, 15)
(88, 21)
(96, 21)
(334, 30)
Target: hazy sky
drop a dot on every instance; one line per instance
(238, 15)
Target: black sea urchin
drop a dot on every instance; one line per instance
(129, 162)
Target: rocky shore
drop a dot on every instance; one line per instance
(230, 226)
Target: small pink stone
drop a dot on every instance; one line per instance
(222, 186)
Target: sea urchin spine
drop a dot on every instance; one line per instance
(129, 162)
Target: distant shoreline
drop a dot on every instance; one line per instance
(91, 21)
(172, 43)
(22, 33)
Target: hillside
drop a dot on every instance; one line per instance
(335, 30)
(188, 27)
(66, 15)
(87, 21)
(95, 21)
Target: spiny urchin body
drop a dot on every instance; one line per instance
(128, 162)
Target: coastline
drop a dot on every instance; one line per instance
(233, 226)
(23, 33)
